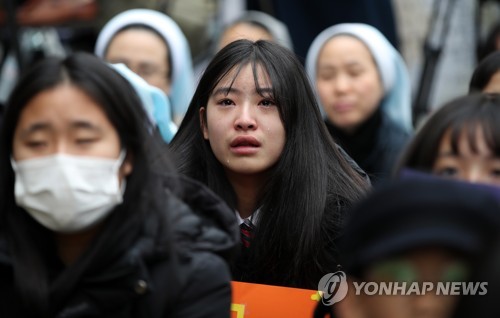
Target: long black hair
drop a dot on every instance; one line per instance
(29, 243)
(464, 114)
(302, 204)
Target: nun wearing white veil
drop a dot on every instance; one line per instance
(178, 60)
(364, 92)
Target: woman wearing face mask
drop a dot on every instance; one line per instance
(460, 140)
(253, 134)
(88, 227)
(364, 90)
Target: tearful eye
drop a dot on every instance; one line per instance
(267, 102)
(226, 102)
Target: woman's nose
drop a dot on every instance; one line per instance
(245, 119)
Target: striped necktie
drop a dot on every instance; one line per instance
(246, 230)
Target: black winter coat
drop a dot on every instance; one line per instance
(191, 280)
(382, 142)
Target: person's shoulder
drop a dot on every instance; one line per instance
(393, 134)
(199, 219)
(194, 280)
(195, 286)
(207, 265)
(354, 165)
(205, 289)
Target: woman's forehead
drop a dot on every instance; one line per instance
(473, 136)
(257, 71)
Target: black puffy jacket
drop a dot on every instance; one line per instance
(192, 280)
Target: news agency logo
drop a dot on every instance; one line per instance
(334, 287)
(421, 288)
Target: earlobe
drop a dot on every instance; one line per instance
(203, 124)
(127, 166)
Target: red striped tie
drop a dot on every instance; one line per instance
(246, 229)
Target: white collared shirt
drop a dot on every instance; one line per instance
(254, 218)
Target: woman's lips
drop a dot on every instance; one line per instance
(244, 145)
(343, 107)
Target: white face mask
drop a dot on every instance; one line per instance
(68, 193)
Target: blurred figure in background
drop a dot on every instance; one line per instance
(364, 92)
(485, 270)
(154, 101)
(152, 45)
(250, 25)
(486, 75)
(460, 140)
(416, 232)
(256, 25)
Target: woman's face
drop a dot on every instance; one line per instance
(64, 120)
(145, 53)
(430, 265)
(480, 166)
(244, 129)
(348, 82)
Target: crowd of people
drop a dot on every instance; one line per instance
(137, 184)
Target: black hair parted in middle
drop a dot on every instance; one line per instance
(309, 188)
